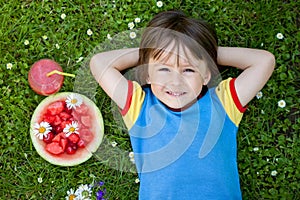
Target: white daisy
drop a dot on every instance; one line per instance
(130, 25)
(109, 37)
(79, 59)
(45, 37)
(26, 42)
(132, 35)
(40, 179)
(159, 4)
(259, 95)
(274, 173)
(41, 129)
(9, 66)
(84, 192)
(131, 154)
(255, 149)
(114, 144)
(63, 16)
(281, 103)
(57, 46)
(70, 195)
(137, 180)
(131, 157)
(71, 128)
(73, 100)
(279, 36)
(137, 20)
(89, 32)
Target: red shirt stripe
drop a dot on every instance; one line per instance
(235, 96)
(129, 98)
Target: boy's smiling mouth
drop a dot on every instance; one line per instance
(175, 94)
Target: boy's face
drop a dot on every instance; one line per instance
(175, 81)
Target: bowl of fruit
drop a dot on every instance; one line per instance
(66, 128)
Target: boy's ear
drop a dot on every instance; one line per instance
(207, 77)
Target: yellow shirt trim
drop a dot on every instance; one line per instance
(135, 106)
(225, 96)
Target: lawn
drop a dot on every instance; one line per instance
(69, 32)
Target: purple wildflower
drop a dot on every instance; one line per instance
(100, 194)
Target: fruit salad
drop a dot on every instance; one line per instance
(66, 125)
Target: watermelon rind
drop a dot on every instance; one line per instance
(82, 154)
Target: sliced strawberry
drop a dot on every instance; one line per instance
(86, 135)
(64, 116)
(56, 107)
(82, 109)
(81, 143)
(48, 138)
(86, 120)
(63, 143)
(54, 148)
(74, 138)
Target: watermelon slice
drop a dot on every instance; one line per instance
(40, 82)
(61, 138)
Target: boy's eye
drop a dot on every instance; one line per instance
(163, 69)
(188, 70)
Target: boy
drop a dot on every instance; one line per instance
(182, 127)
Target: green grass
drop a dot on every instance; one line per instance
(254, 23)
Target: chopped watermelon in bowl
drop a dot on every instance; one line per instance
(66, 128)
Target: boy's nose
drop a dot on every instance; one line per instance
(176, 78)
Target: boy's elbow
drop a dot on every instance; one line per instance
(270, 60)
(94, 65)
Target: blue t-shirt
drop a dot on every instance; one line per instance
(189, 154)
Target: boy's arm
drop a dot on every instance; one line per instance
(257, 66)
(106, 67)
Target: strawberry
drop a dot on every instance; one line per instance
(56, 107)
(86, 120)
(74, 138)
(54, 148)
(48, 138)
